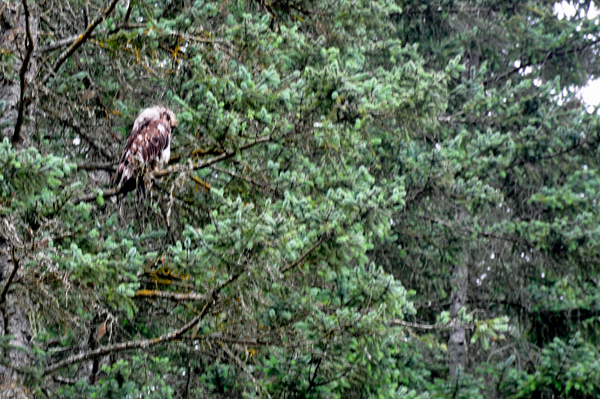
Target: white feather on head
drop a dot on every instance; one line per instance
(153, 114)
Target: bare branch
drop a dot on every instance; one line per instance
(65, 381)
(485, 234)
(111, 192)
(128, 12)
(192, 296)
(452, 324)
(23, 84)
(109, 167)
(86, 15)
(80, 40)
(234, 340)
(124, 26)
(50, 25)
(565, 50)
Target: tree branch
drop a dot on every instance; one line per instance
(258, 387)
(550, 55)
(70, 40)
(80, 40)
(111, 192)
(452, 324)
(23, 84)
(144, 343)
(308, 252)
(128, 12)
(50, 25)
(109, 167)
(213, 160)
(485, 234)
(238, 176)
(234, 340)
(192, 296)
(562, 363)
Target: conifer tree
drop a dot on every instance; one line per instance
(364, 199)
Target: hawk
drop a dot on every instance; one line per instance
(148, 147)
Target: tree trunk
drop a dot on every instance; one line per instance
(14, 305)
(457, 344)
(14, 321)
(13, 37)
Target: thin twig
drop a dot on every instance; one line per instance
(549, 56)
(124, 26)
(80, 40)
(23, 84)
(45, 20)
(94, 144)
(562, 363)
(485, 234)
(233, 340)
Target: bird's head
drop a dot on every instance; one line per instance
(170, 117)
(153, 114)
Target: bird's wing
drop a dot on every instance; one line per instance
(149, 138)
(152, 140)
(137, 128)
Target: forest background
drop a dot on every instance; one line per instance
(386, 198)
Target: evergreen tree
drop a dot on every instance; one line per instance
(364, 199)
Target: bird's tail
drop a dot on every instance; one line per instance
(127, 179)
(140, 192)
(123, 178)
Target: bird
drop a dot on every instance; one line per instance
(148, 148)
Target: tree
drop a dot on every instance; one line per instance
(328, 156)
(501, 195)
(249, 273)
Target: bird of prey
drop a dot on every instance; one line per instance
(148, 148)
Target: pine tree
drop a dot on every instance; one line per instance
(364, 199)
